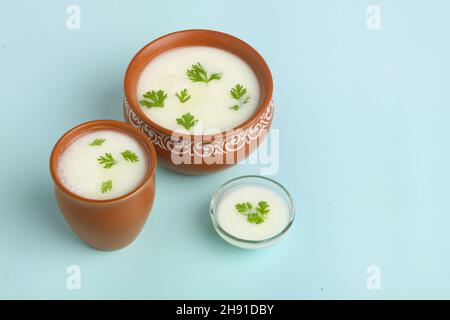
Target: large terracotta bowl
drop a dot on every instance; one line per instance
(106, 224)
(199, 154)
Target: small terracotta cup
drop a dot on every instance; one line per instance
(199, 154)
(106, 224)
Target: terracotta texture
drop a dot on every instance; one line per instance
(106, 224)
(207, 153)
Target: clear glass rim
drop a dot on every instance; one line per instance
(216, 197)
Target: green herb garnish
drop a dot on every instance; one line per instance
(243, 207)
(97, 142)
(183, 96)
(238, 93)
(198, 74)
(130, 156)
(106, 186)
(258, 215)
(187, 120)
(107, 161)
(154, 99)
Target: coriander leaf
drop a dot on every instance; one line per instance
(130, 156)
(97, 142)
(107, 161)
(255, 218)
(187, 120)
(154, 99)
(243, 207)
(238, 93)
(263, 208)
(257, 215)
(198, 74)
(106, 186)
(183, 96)
(215, 76)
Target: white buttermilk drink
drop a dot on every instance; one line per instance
(102, 165)
(252, 212)
(199, 89)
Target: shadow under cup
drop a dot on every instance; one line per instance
(106, 224)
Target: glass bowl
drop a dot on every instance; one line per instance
(250, 180)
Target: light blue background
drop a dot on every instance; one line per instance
(364, 126)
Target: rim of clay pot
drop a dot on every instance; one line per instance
(198, 37)
(97, 125)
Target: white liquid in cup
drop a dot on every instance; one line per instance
(80, 171)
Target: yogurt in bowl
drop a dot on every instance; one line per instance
(216, 87)
(252, 212)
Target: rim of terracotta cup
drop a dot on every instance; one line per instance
(97, 125)
(184, 38)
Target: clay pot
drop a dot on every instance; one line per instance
(106, 224)
(199, 154)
